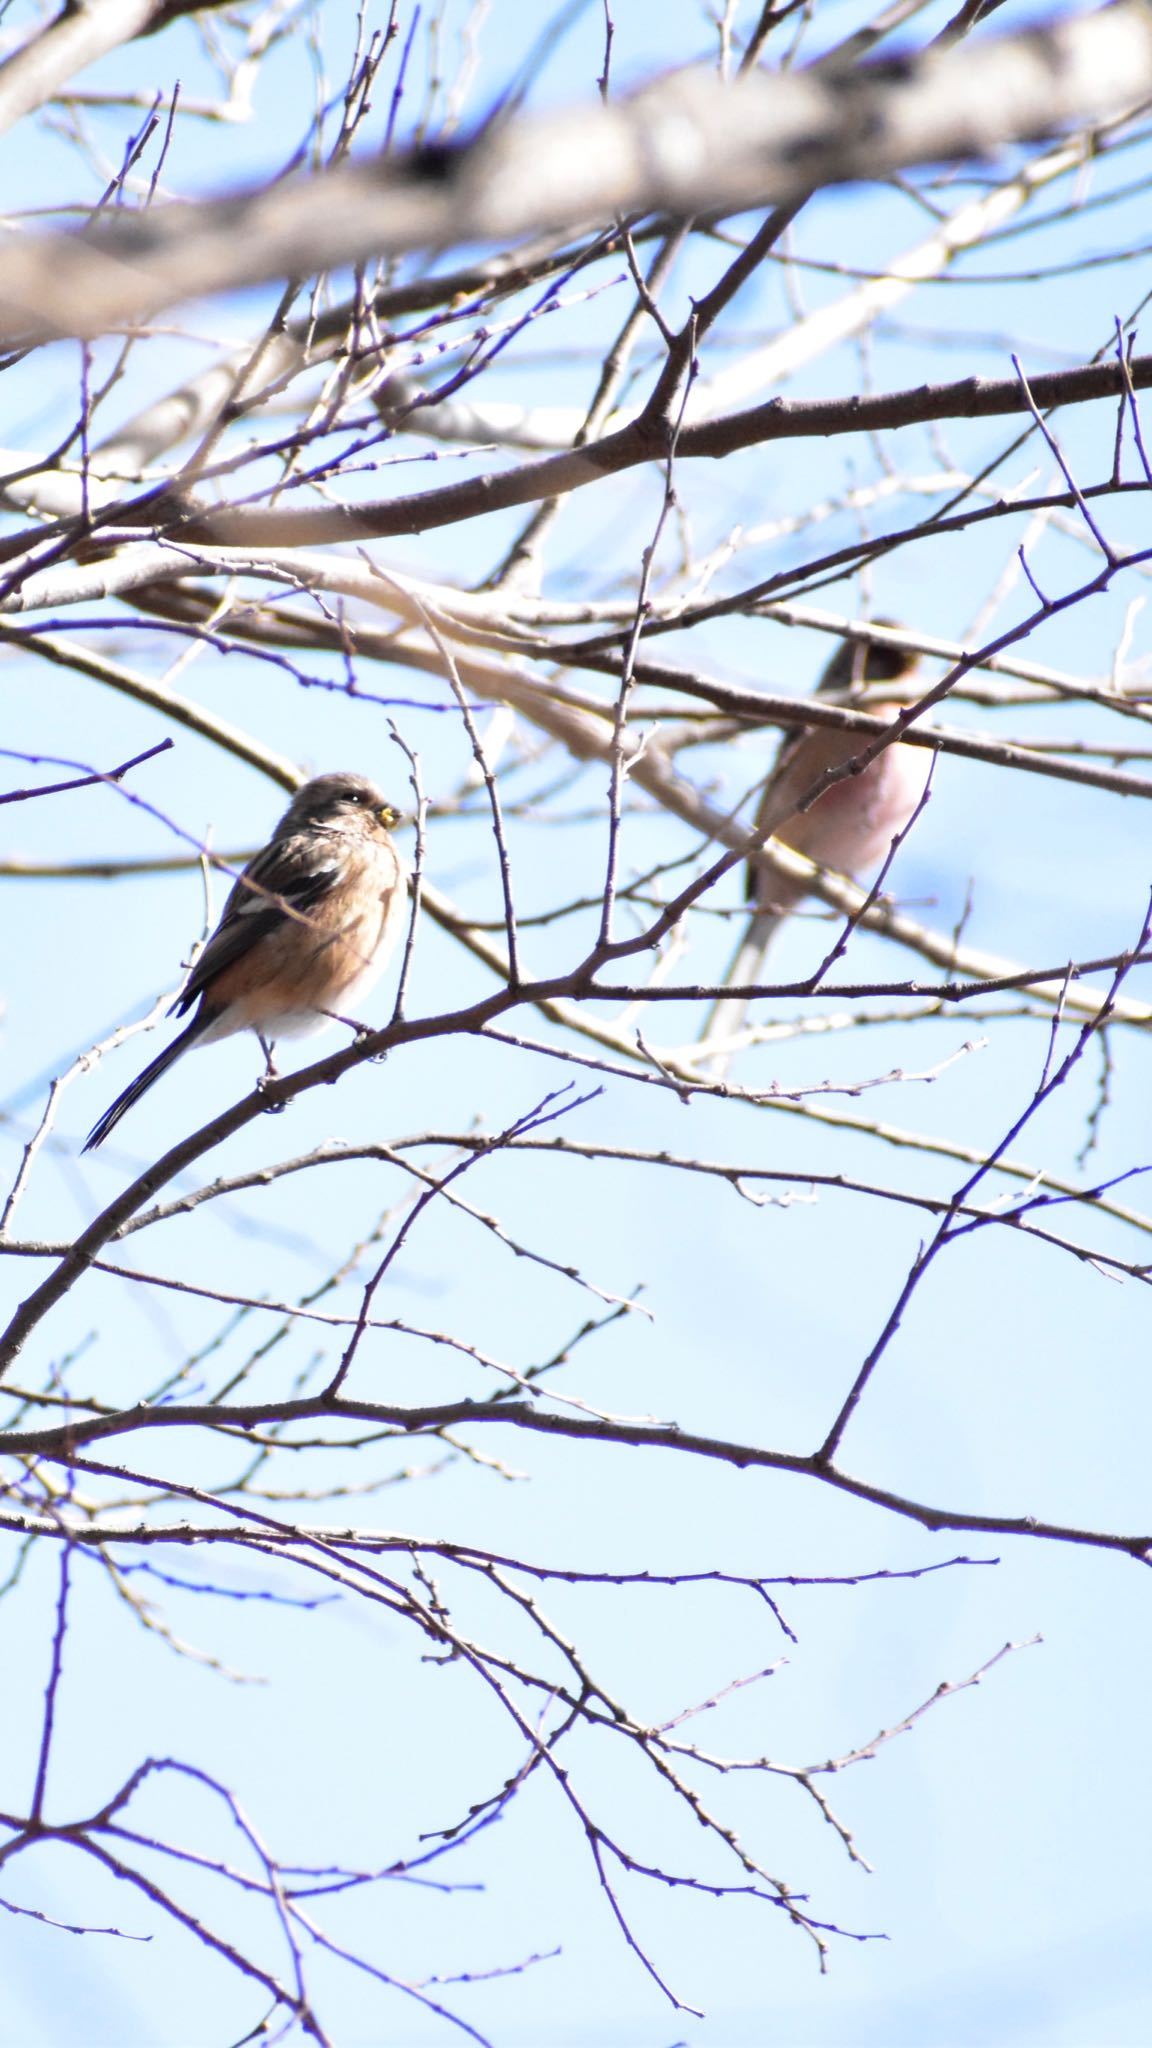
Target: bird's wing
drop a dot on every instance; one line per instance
(284, 878)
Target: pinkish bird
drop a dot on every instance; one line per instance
(849, 829)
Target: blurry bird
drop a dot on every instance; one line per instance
(307, 928)
(848, 829)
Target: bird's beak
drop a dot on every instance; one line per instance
(387, 816)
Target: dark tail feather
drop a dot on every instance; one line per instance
(142, 1083)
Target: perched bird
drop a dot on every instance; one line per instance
(848, 829)
(307, 928)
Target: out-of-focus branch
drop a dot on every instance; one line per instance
(179, 710)
(78, 36)
(684, 143)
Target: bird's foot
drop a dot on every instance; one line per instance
(359, 1031)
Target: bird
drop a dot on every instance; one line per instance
(848, 829)
(307, 928)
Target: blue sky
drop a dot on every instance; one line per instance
(1006, 1828)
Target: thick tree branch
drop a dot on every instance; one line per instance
(639, 442)
(62, 1442)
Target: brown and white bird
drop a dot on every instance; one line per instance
(307, 929)
(848, 829)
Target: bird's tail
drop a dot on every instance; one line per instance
(726, 1017)
(142, 1083)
